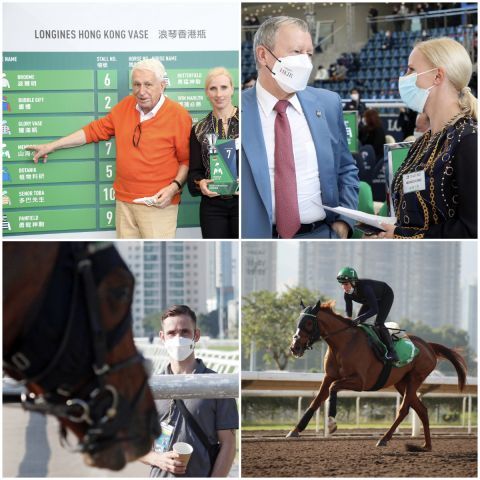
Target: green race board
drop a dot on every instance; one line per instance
(351, 125)
(49, 95)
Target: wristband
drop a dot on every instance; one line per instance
(178, 184)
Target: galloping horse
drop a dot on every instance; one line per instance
(350, 364)
(67, 336)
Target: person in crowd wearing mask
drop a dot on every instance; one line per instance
(355, 103)
(422, 124)
(295, 157)
(435, 189)
(217, 418)
(372, 133)
(387, 41)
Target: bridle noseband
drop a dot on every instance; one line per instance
(312, 329)
(95, 403)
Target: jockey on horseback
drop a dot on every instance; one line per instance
(376, 298)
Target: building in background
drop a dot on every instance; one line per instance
(225, 270)
(472, 316)
(190, 273)
(259, 266)
(425, 276)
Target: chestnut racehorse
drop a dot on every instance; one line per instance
(350, 364)
(67, 336)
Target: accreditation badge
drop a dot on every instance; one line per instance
(413, 182)
(162, 443)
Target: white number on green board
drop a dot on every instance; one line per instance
(109, 193)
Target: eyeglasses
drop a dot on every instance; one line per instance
(137, 134)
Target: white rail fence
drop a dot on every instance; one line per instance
(301, 385)
(223, 384)
(208, 385)
(218, 360)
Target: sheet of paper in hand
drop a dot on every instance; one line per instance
(362, 217)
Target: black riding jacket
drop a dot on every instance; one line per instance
(369, 293)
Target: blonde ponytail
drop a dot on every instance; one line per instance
(468, 102)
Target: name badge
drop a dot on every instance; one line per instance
(414, 182)
(162, 443)
(237, 144)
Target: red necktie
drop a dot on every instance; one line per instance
(286, 200)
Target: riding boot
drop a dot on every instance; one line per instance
(387, 340)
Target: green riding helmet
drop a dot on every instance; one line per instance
(347, 275)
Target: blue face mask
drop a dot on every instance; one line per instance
(413, 96)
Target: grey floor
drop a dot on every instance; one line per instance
(31, 449)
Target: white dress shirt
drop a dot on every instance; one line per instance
(305, 156)
(152, 112)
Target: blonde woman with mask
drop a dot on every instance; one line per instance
(435, 189)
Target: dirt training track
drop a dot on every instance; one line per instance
(274, 456)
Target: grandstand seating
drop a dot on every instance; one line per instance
(374, 70)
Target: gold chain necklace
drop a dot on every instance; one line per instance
(215, 124)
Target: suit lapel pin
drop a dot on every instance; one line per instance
(319, 113)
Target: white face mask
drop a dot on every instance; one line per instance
(413, 96)
(292, 72)
(179, 348)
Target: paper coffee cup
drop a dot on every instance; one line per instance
(184, 451)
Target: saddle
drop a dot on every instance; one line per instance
(405, 348)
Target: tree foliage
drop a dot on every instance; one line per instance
(447, 335)
(269, 319)
(208, 323)
(152, 323)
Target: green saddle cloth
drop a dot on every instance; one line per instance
(405, 348)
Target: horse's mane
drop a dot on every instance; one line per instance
(328, 307)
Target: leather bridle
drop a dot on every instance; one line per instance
(96, 403)
(308, 323)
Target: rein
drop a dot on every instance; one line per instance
(331, 334)
(97, 403)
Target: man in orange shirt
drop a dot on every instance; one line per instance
(152, 136)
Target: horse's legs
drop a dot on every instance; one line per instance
(402, 413)
(348, 383)
(407, 387)
(401, 386)
(321, 396)
(422, 412)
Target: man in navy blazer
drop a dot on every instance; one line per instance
(326, 173)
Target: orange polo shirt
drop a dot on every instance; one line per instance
(164, 145)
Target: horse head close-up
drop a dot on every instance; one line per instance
(307, 332)
(67, 338)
